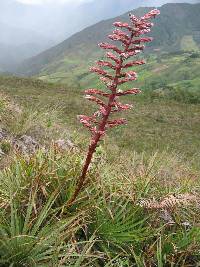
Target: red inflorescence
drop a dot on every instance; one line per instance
(103, 63)
(110, 46)
(142, 40)
(133, 63)
(152, 14)
(117, 122)
(113, 57)
(96, 100)
(130, 35)
(96, 92)
(134, 91)
(122, 25)
(121, 34)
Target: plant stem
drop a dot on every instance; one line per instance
(101, 128)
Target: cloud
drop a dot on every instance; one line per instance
(55, 2)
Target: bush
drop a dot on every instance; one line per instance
(177, 94)
(184, 95)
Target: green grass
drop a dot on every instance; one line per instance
(161, 69)
(175, 29)
(188, 43)
(107, 225)
(33, 194)
(156, 122)
(114, 222)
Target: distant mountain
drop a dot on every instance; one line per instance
(18, 44)
(177, 28)
(12, 55)
(59, 19)
(17, 35)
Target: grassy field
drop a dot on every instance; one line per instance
(137, 209)
(140, 206)
(160, 70)
(157, 123)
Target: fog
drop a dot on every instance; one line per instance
(55, 20)
(29, 26)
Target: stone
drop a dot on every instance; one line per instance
(64, 144)
(26, 145)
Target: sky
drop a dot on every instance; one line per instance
(58, 19)
(78, 2)
(28, 27)
(57, 2)
(52, 21)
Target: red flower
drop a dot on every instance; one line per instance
(142, 40)
(96, 100)
(116, 37)
(134, 63)
(120, 24)
(121, 34)
(131, 44)
(133, 18)
(109, 46)
(127, 55)
(152, 14)
(141, 32)
(134, 91)
(101, 72)
(113, 57)
(96, 92)
(117, 122)
(120, 107)
(86, 121)
(103, 63)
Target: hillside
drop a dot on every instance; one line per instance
(156, 123)
(136, 209)
(12, 55)
(176, 29)
(18, 44)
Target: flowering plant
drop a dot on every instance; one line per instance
(113, 73)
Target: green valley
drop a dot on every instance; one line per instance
(177, 29)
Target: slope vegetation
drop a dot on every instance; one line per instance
(157, 123)
(176, 29)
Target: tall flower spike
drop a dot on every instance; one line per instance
(120, 24)
(133, 63)
(110, 46)
(129, 35)
(113, 57)
(103, 63)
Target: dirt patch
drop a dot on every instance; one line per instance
(164, 67)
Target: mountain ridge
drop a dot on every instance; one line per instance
(177, 26)
(18, 44)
